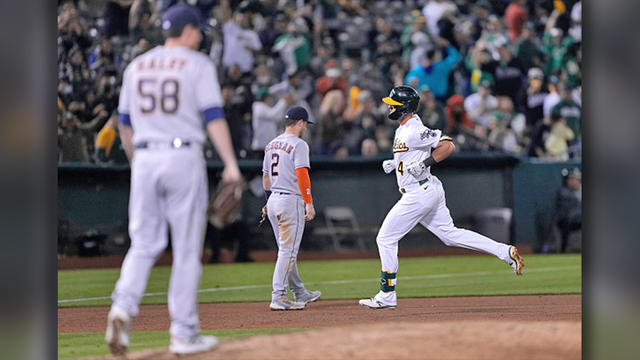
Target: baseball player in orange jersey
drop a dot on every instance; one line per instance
(285, 179)
(169, 96)
(415, 149)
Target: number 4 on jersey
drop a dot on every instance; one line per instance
(401, 168)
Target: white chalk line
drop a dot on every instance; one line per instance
(337, 282)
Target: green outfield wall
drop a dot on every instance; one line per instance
(94, 198)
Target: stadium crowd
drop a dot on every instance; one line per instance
(496, 75)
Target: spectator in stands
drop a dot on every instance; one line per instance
(507, 71)
(481, 104)
(569, 205)
(474, 64)
(569, 109)
(433, 11)
(430, 111)
(557, 143)
(527, 48)
(421, 45)
(501, 135)
(369, 148)
(515, 17)
(116, 18)
(514, 120)
(373, 54)
(540, 134)
(553, 97)
(493, 36)
(104, 60)
(434, 70)
(294, 46)
(457, 118)
(267, 115)
(576, 22)
(240, 41)
(235, 109)
(555, 44)
(71, 141)
(332, 88)
(532, 99)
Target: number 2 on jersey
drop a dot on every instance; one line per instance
(401, 168)
(169, 90)
(275, 160)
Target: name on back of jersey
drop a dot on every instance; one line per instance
(161, 63)
(279, 145)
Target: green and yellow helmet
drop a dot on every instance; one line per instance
(404, 99)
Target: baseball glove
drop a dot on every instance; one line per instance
(225, 203)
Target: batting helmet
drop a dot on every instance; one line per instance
(405, 99)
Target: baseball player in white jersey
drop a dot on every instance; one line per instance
(415, 149)
(168, 96)
(285, 179)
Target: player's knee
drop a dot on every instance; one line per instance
(447, 235)
(384, 241)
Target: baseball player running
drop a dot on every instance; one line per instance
(285, 179)
(415, 149)
(169, 95)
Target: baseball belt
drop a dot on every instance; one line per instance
(403, 190)
(174, 144)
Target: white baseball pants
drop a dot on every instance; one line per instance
(168, 187)
(286, 215)
(426, 205)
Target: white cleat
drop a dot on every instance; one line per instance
(307, 296)
(516, 261)
(196, 344)
(118, 331)
(284, 303)
(374, 303)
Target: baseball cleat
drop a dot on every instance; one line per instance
(196, 344)
(307, 296)
(118, 329)
(284, 303)
(373, 303)
(516, 260)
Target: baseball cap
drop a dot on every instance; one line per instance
(180, 15)
(571, 172)
(298, 113)
(535, 72)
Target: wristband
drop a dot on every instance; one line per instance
(429, 161)
(267, 193)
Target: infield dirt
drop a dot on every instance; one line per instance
(488, 327)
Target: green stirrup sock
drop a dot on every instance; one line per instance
(387, 281)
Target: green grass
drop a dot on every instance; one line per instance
(345, 279)
(337, 279)
(72, 346)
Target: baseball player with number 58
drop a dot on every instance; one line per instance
(415, 149)
(169, 96)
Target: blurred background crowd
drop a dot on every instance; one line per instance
(496, 75)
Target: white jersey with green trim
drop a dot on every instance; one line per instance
(413, 142)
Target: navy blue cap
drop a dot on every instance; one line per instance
(298, 113)
(180, 15)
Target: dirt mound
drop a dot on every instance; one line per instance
(493, 340)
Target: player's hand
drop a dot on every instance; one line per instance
(310, 212)
(416, 169)
(264, 210)
(231, 174)
(388, 166)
